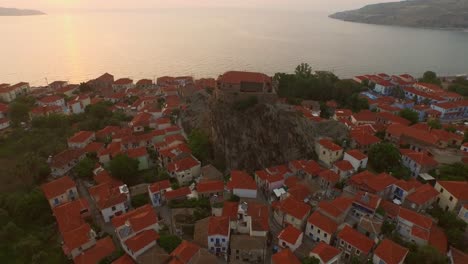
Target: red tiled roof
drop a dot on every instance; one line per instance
(328, 144)
(107, 194)
(368, 200)
(294, 207)
(336, 207)
(80, 137)
(459, 189)
(185, 251)
(210, 186)
(218, 225)
(103, 248)
(423, 194)
(363, 138)
(344, 165)
(291, 181)
(408, 185)
(325, 251)
(391, 252)
(125, 259)
(299, 191)
(77, 237)
(50, 99)
(420, 232)
(3, 108)
(141, 240)
(290, 234)
(137, 152)
(144, 82)
(237, 77)
(458, 256)
(94, 147)
(66, 157)
(178, 193)
(356, 154)
(394, 119)
(312, 167)
(419, 157)
(230, 210)
(260, 215)
(183, 164)
(241, 180)
(285, 256)
(123, 81)
(370, 182)
(330, 176)
(365, 116)
(415, 218)
(356, 239)
(160, 185)
(392, 210)
(321, 221)
(68, 215)
(438, 239)
(57, 187)
(139, 219)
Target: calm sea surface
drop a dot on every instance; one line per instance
(205, 43)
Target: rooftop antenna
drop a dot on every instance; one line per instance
(47, 82)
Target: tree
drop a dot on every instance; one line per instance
(169, 242)
(124, 168)
(200, 145)
(388, 228)
(84, 168)
(384, 156)
(453, 172)
(426, 254)
(434, 124)
(18, 112)
(430, 77)
(410, 115)
(303, 70)
(85, 88)
(310, 260)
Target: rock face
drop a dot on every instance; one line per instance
(260, 136)
(19, 12)
(415, 13)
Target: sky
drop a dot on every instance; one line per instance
(319, 5)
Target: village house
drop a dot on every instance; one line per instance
(111, 197)
(357, 159)
(320, 228)
(169, 155)
(290, 238)
(337, 209)
(218, 235)
(52, 100)
(327, 179)
(381, 184)
(271, 178)
(389, 252)
(328, 152)
(185, 170)
(210, 189)
(60, 191)
(325, 253)
(305, 169)
(421, 198)
(121, 85)
(66, 160)
(291, 212)
(363, 140)
(385, 118)
(103, 248)
(401, 189)
(248, 249)
(239, 83)
(140, 154)
(417, 162)
(371, 226)
(77, 104)
(68, 90)
(364, 117)
(137, 230)
(284, 256)
(103, 82)
(342, 114)
(210, 173)
(144, 84)
(81, 139)
(463, 213)
(182, 193)
(365, 204)
(241, 184)
(157, 192)
(343, 168)
(190, 253)
(354, 244)
(453, 195)
(457, 256)
(9, 93)
(55, 85)
(107, 154)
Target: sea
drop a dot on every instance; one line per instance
(78, 46)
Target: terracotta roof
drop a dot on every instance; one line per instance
(312, 167)
(438, 239)
(419, 157)
(285, 256)
(415, 218)
(183, 164)
(218, 225)
(365, 116)
(356, 239)
(330, 176)
(344, 165)
(300, 191)
(178, 193)
(3, 108)
(144, 82)
(210, 186)
(138, 219)
(57, 187)
(391, 252)
(141, 240)
(137, 152)
(321, 221)
(107, 194)
(237, 77)
(76, 238)
(230, 210)
(291, 181)
(260, 216)
(103, 248)
(373, 183)
(290, 234)
(185, 252)
(325, 252)
(392, 210)
(80, 137)
(241, 180)
(356, 154)
(336, 207)
(458, 256)
(160, 185)
(459, 189)
(368, 200)
(364, 138)
(408, 185)
(50, 99)
(328, 144)
(399, 130)
(423, 194)
(123, 81)
(420, 232)
(68, 215)
(65, 157)
(294, 207)
(94, 147)
(125, 259)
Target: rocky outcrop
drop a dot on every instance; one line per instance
(260, 136)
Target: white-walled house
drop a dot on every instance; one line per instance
(290, 238)
(185, 170)
(218, 235)
(60, 191)
(328, 152)
(52, 100)
(389, 252)
(326, 254)
(290, 211)
(242, 185)
(64, 161)
(157, 190)
(356, 158)
(81, 139)
(453, 195)
(112, 199)
(320, 228)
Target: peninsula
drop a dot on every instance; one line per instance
(447, 14)
(19, 12)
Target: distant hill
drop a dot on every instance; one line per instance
(19, 12)
(412, 13)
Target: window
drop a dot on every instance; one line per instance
(451, 198)
(224, 240)
(311, 227)
(318, 231)
(211, 239)
(441, 190)
(349, 247)
(113, 208)
(358, 252)
(325, 235)
(342, 242)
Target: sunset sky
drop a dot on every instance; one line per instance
(45, 5)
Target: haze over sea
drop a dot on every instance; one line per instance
(206, 42)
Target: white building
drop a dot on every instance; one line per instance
(242, 185)
(185, 170)
(60, 191)
(326, 254)
(320, 228)
(356, 158)
(218, 235)
(290, 238)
